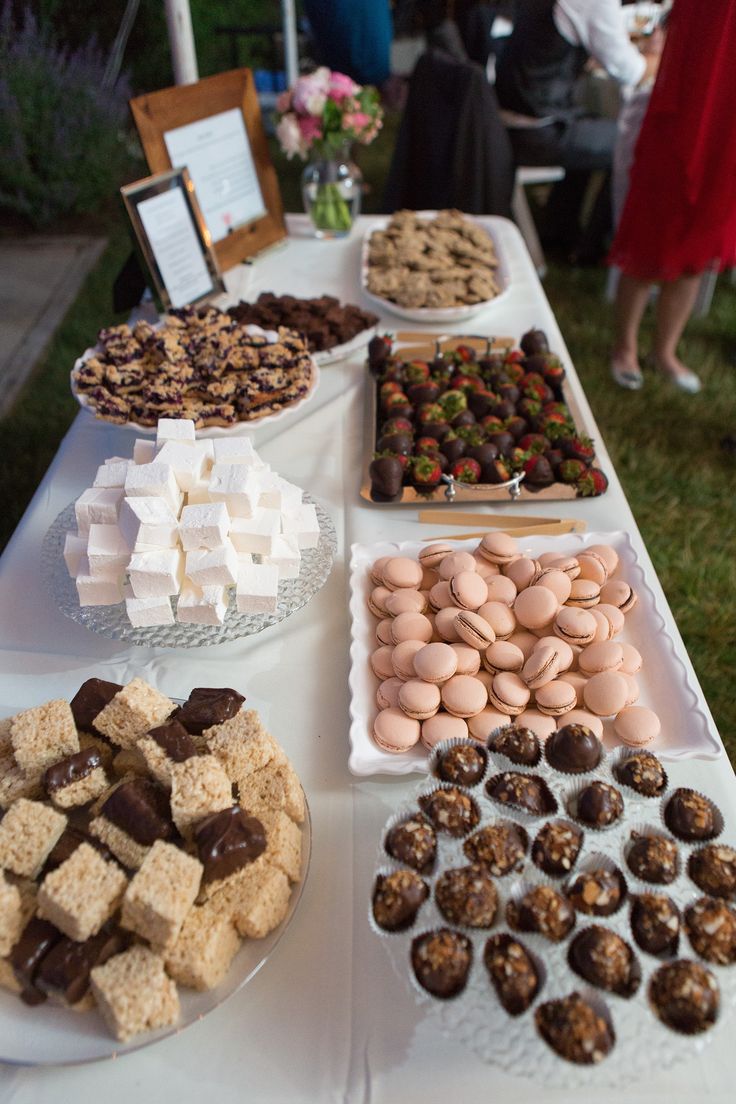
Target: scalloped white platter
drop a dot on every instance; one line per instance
(436, 314)
(665, 684)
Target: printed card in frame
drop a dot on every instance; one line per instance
(173, 238)
(214, 128)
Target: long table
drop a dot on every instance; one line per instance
(326, 1019)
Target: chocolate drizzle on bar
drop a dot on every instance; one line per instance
(73, 768)
(208, 706)
(89, 701)
(174, 739)
(227, 841)
(140, 808)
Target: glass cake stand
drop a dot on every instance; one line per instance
(49, 1035)
(112, 621)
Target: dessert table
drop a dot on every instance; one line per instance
(326, 1019)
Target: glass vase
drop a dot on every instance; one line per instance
(332, 187)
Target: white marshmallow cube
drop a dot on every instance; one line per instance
(97, 505)
(144, 613)
(236, 486)
(156, 574)
(212, 566)
(107, 549)
(153, 480)
(285, 555)
(243, 559)
(279, 494)
(112, 473)
(257, 588)
(207, 450)
(97, 590)
(199, 493)
(174, 429)
(74, 548)
(186, 462)
(201, 605)
(303, 525)
(204, 525)
(237, 450)
(144, 450)
(148, 521)
(256, 534)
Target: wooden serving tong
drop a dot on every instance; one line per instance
(520, 525)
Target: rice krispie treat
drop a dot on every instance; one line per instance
(161, 894)
(81, 894)
(11, 915)
(134, 710)
(163, 747)
(76, 780)
(199, 786)
(28, 831)
(201, 955)
(284, 843)
(134, 994)
(275, 786)
(242, 745)
(255, 899)
(42, 735)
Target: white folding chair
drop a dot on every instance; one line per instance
(527, 175)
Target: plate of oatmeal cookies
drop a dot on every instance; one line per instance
(197, 363)
(433, 266)
(152, 852)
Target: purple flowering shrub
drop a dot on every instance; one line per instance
(62, 139)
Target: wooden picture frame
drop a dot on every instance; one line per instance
(158, 113)
(160, 185)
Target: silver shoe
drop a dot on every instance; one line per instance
(625, 377)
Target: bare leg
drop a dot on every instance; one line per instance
(631, 300)
(675, 304)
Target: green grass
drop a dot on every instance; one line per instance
(664, 444)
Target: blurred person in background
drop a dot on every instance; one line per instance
(536, 77)
(679, 218)
(352, 37)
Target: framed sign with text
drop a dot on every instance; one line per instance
(213, 128)
(173, 238)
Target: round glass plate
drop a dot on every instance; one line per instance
(49, 1035)
(112, 621)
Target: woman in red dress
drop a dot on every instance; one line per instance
(680, 212)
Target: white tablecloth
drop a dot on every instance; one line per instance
(326, 1019)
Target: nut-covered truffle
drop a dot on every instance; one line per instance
(541, 909)
(652, 858)
(597, 892)
(441, 961)
(413, 842)
(573, 749)
(574, 1030)
(556, 847)
(500, 848)
(466, 895)
(599, 805)
(512, 972)
(462, 764)
(606, 960)
(691, 817)
(528, 792)
(517, 743)
(685, 996)
(451, 811)
(713, 869)
(655, 923)
(397, 898)
(643, 773)
(711, 929)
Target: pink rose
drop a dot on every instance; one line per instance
(290, 136)
(356, 121)
(310, 129)
(341, 86)
(310, 92)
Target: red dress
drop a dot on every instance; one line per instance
(680, 212)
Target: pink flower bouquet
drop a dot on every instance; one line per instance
(322, 114)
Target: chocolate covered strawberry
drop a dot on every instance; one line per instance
(397, 405)
(534, 341)
(379, 350)
(538, 471)
(425, 474)
(579, 447)
(452, 402)
(426, 446)
(594, 482)
(497, 471)
(516, 426)
(397, 425)
(492, 424)
(390, 387)
(386, 475)
(569, 471)
(453, 446)
(466, 470)
(416, 371)
(534, 442)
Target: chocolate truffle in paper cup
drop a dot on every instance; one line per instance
(526, 792)
(556, 847)
(597, 890)
(602, 958)
(500, 847)
(655, 923)
(711, 928)
(441, 961)
(397, 898)
(467, 896)
(514, 973)
(692, 817)
(450, 810)
(597, 804)
(461, 764)
(541, 909)
(575, 1030)
(652, 857)
(713, 869)
(516, 743)
(685, 996)
(642, 772)
(412, 841)
(573, 749)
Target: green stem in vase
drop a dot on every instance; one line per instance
(330, 211)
